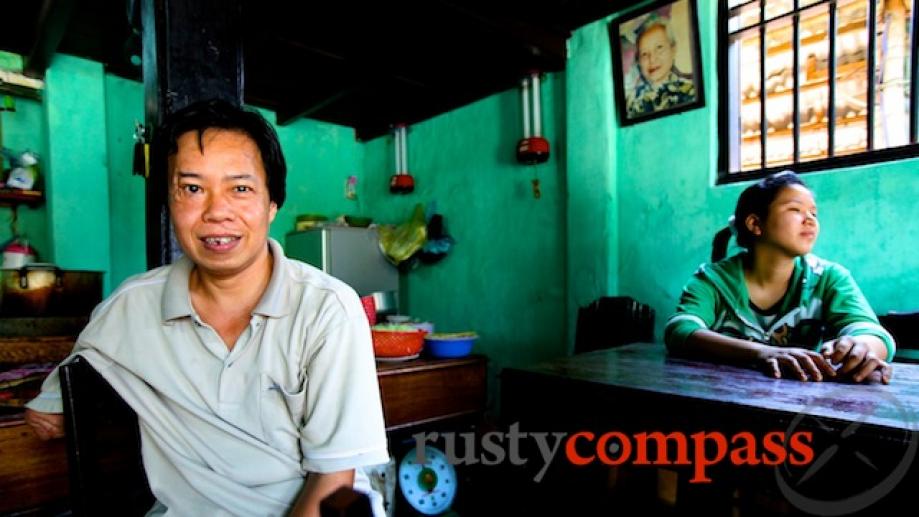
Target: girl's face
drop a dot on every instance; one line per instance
(791, 225)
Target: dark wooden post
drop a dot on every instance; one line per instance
(192, 50)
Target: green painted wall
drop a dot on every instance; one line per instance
(669, 206)
(592, 215)
(320, 157)
(23, 129)
(77, 165)
(124, 104)
(505, 277)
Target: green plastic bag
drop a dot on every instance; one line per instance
(399, 243)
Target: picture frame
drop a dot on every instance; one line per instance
(657, 61)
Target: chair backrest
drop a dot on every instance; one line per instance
(103, 446)
(904, 327)
(613, 321)
(107, 475)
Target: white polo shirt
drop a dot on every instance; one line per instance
(234, 432)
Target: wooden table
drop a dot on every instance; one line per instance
(637, 388)
(32, 472)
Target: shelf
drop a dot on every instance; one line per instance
(12, 196)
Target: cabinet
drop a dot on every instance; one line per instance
(426, 391)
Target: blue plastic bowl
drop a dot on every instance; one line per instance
(450, 345)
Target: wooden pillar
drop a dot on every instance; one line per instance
(192, 50)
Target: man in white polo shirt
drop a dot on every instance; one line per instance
(252, 375)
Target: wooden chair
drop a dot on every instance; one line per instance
(103, 446)
(904, 327)
(613, 321)
(103, 452)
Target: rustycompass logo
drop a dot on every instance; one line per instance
(856, 463)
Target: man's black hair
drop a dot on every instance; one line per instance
(218, 114)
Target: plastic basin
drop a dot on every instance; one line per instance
(457, 344)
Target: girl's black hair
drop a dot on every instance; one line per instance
(755, 200)
(219, 114)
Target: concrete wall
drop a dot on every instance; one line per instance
(505, 277)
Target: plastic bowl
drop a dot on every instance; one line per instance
(394, 343)
(458, 344)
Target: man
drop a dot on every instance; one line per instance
(249, 372)
(659, 84)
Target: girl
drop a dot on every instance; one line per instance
(776, 306)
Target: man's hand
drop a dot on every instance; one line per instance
(794, 363)
(46, 425)
(316, 488)
(858, 358)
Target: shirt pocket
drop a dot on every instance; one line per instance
(281, 411)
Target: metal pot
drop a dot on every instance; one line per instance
(47, 290)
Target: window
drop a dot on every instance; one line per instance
(815, 84)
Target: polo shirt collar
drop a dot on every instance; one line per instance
(176, 301)
(274, 300)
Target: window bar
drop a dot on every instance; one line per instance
(872, 37)
(831, 78)
(914, 63)
(796, 98)
(762, 83)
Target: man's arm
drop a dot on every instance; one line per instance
(318, 487)
(46, 425)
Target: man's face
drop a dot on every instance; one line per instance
(218, 200)
(655, 55)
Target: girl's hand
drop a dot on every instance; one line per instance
(856, 358)
(795, 363)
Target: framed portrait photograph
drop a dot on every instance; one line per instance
(657, 65)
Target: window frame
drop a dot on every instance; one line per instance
(869, 156)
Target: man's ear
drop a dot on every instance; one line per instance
(272, 211)
(753, 225)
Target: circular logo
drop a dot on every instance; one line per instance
(870, 473)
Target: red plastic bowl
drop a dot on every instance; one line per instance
(393, 343)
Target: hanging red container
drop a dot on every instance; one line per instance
(533, 148)
(401, 182)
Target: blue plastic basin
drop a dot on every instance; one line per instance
(449, 345)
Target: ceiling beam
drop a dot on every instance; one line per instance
(288, 114)
(49, 31)
(535, 40)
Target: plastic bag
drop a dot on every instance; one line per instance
(399, 243)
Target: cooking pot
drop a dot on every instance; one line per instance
(47, 290)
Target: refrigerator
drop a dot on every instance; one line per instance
(351, 255)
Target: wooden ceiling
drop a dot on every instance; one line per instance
(366, 65)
